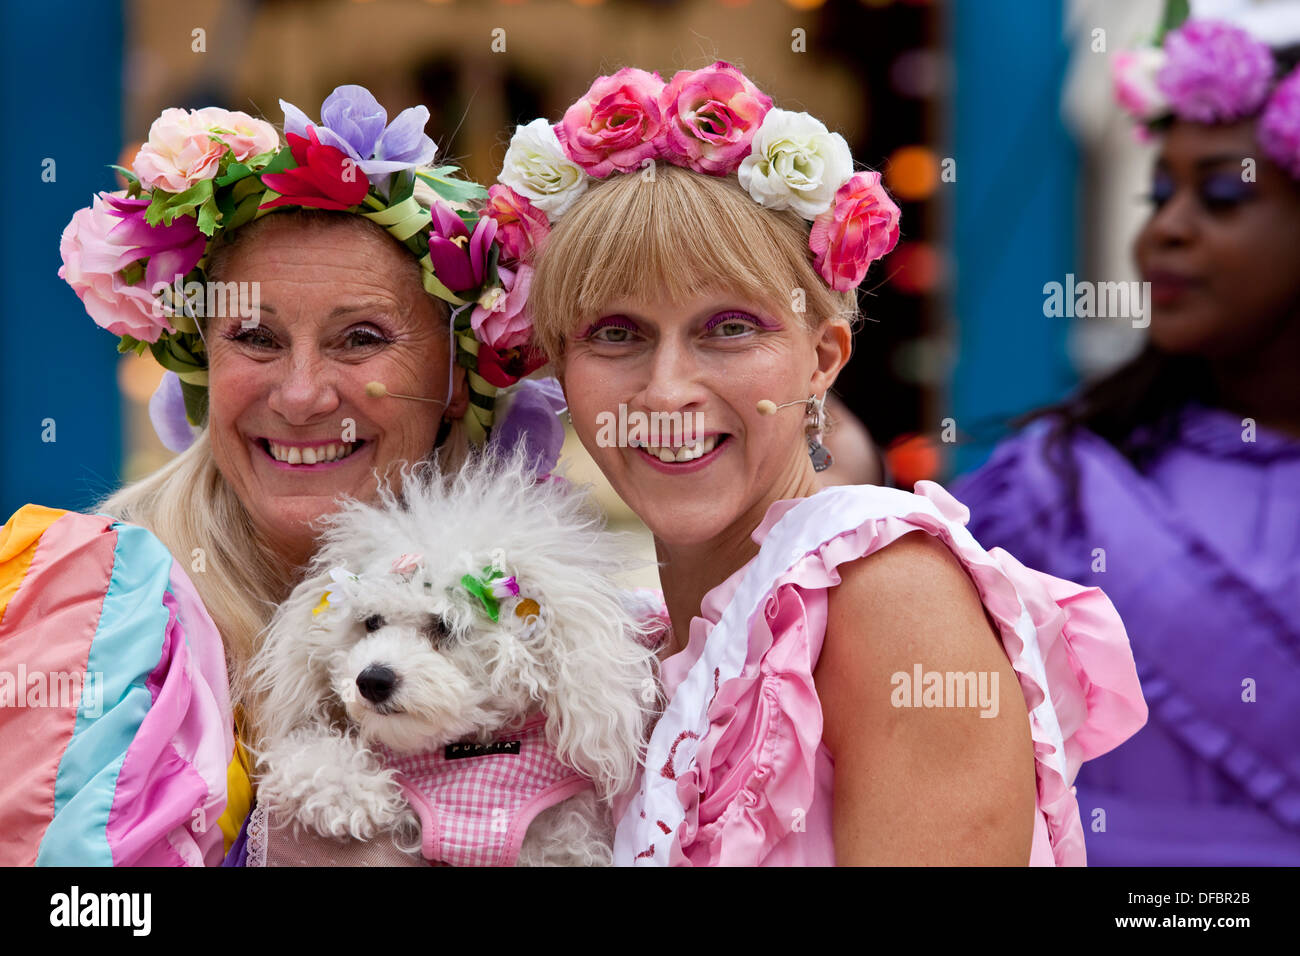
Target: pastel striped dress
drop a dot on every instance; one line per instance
(116, 733)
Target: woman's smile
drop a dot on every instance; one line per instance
(302, 456)
(683, 459)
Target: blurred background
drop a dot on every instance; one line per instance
(992, 121)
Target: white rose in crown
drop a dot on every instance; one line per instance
(796, 163)
(537, 167)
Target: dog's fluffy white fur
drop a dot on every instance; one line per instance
(459, 675)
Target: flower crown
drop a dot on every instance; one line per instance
(1209, 71)
(714, 121)
(137, 258)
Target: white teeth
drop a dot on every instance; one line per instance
(297, 455)
(687, 452)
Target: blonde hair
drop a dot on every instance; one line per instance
(671, 233)
(188, 505)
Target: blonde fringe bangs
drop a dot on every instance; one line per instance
(670, 237)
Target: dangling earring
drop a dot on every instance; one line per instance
(815, 410)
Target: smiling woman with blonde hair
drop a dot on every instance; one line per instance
(696, 251)
(371, 332)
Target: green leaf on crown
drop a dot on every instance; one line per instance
(280, 162)
(208, 217)
(133, 187)
(448, 188)
(165, 207)
(402, 187)
(243, 213)
(1176, 14)
(196, 402)
(132, 273)
(128, 344)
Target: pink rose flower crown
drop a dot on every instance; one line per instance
(1209, 71)
(714, 121)
(137, 257)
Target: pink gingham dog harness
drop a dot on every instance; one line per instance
(476, 801)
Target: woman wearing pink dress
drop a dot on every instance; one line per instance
(848, 676)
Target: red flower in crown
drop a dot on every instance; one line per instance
(325, 177)
(507, 366)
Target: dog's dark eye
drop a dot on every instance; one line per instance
(374, 622)
(435, 629)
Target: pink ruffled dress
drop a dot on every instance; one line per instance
(736, 772)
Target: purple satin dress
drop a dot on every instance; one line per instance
(1201, 557)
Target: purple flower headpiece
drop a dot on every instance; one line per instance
(1210, 71)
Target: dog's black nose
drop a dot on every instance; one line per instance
(376, 683)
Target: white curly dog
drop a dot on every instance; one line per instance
(459, 640)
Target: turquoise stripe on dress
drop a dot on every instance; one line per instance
(126, 649)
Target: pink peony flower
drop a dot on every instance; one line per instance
(521, 226)
(859, 228)
(502, 322)
(185, 146)
(1214, 72)
(92, 263)
(709, 118)
(1279, 127)
(247, 137)
(178, 154)
(614, 126)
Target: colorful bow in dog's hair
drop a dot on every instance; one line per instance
(346, 581)
(406, 565)
(490, 587)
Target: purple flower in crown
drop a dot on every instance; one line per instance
(1214, 72)
(460, 260)
(172, 250)
(529, 413)
(167, 413)
(1279, 127)
(353, 121)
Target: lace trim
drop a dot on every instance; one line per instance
(257, 836)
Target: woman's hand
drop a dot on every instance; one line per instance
(918, 785)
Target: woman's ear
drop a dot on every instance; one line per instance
(834, 347)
